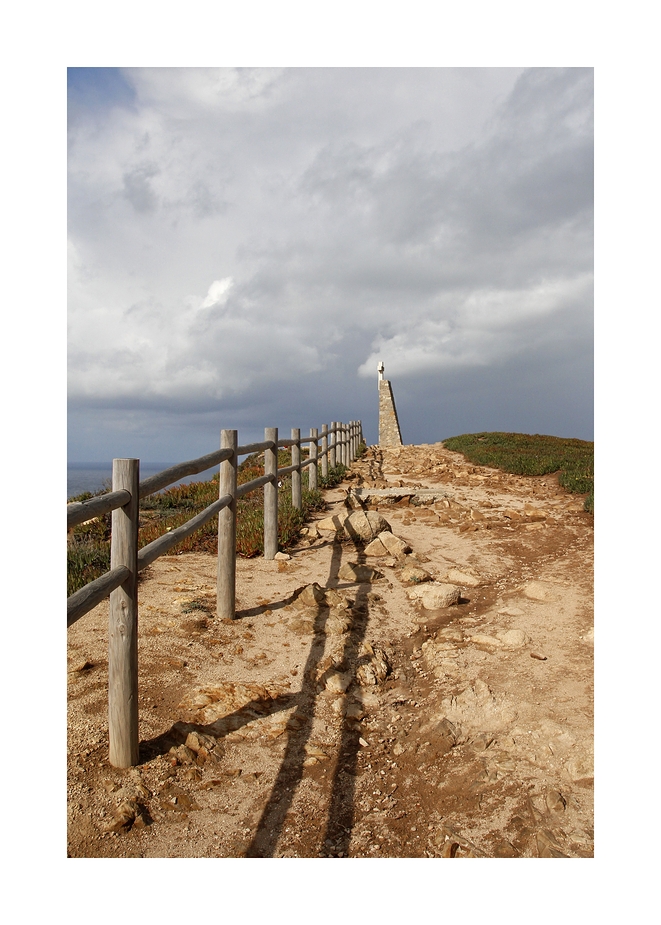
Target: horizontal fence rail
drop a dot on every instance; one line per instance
(337, 444)
(163, 544)
(81, 511)
(174, 473)
(83, 601)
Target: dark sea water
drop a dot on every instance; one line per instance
(92, 476)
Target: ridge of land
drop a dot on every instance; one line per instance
(338, 715)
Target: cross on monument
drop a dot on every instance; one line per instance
(381, 368)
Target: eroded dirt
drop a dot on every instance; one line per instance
(359, 724)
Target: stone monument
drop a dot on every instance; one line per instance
(389, 432)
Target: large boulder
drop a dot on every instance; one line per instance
(435, 595)
(310, 596)
(333, 524)
(413, 574)
(458, 577)
(394, 545)
(376, 548)
(364, 526)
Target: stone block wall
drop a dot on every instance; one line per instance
(389, 432)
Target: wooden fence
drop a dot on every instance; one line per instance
(337, 444)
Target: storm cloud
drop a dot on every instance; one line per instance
(246, 244)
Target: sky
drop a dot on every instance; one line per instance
(245, 244)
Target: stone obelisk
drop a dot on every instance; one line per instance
(389, 432)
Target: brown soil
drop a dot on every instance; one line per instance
(448, 742)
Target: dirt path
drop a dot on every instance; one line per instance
(359, 723)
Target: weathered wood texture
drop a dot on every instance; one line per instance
(296, 493)
(164, 543)
(82, 601)
(324, 451)
(250, 448)
(80, 511)
(247, 487)
(120, 583)
(226, 566)
(332, 456)
(123, 621)
(313, 471)
(271, 495)
(181, 470)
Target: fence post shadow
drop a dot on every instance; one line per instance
(290, 773)
(120, 583)
(340, 817)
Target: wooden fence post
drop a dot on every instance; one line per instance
(345, 445)
(271, 495)
(123, 622)
(313, 479)
(324, 448)
(296, 498)
(226, 569)
(352, 440)
(333, 445)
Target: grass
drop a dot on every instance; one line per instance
(88, 549)
(533, 454)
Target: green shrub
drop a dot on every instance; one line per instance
(87, 559)
(334, 477)
(532, 454)
(89, 544)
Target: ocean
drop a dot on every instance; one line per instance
(92, 476)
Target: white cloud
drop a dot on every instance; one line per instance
(218, 292)
(483, 327)
(439, 219)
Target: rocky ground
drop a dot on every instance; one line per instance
(415, 681)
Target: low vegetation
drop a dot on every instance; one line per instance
(533, 454)
(88, 549)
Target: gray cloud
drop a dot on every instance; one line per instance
(439, 219)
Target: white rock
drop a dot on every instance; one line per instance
(457, 577)
(355, 711)
(376, 548)
(394, 545)
(333, 524)
(478, 709)
(451, 634)
(434, 595)
(338, 623)
(413, 573)
(337, 681)
(579, 767)
(489, 641)
(513, 639)
(354, 571)
(365, 525)
(511, 611)
(537, 591)
(310, 596)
